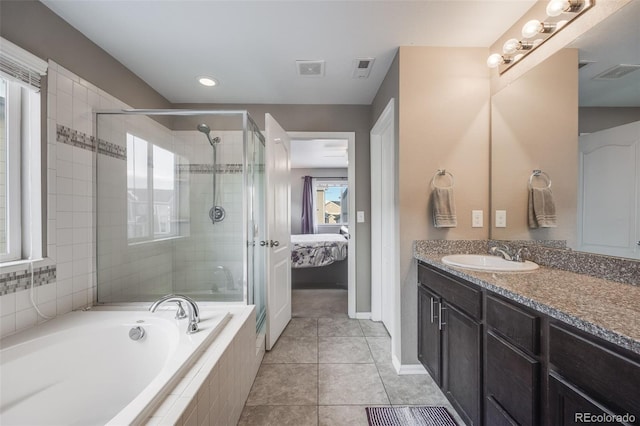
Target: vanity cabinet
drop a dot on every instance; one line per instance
(587, 375)
(450, 339)
(512, 364)
(503, 364)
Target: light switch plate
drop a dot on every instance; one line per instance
(501, 218)
(360, 217)
(476, 219)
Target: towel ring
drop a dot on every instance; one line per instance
(442, 172)
(539, 173)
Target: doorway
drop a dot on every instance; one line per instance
(332, 185)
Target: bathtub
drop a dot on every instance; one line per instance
(83, 369)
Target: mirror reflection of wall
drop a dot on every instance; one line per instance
(536, 125)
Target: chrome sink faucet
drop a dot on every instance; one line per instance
(192, 308)
(502, 251)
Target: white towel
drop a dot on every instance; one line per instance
(444, 208)
(542, 208)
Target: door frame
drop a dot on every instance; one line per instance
(351, 181)
(382, 272)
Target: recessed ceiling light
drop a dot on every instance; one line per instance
(207, 81)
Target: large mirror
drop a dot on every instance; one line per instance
(572, 124)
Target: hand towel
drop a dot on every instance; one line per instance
(444, 208)
(542, 208)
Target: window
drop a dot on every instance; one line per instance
(151, 191)
(332, 202)
(20, 216)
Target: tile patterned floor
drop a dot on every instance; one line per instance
(326, 368)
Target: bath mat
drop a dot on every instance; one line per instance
(409, 416)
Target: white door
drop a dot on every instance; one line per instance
(609, 191)
(277, 152)
(384, 247)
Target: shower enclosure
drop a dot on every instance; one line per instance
(180, 206)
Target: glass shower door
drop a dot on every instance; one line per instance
(257, 222)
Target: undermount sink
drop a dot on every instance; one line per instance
(484, 262)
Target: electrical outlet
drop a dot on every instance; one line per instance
(476, 219)
(501, 218)
(360, 217)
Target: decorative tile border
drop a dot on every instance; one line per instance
(112, 150)
(82, 140)
(17, 281)
(201, 169)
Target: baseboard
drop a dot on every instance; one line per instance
(406, 369)
(362, 315)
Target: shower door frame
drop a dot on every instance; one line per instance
(246, 118)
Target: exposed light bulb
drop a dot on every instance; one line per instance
(494, 60)
(557, 7)
(511, 46)
(532, 28)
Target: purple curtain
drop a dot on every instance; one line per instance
(307, 206)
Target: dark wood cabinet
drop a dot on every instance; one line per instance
(569, 406)
(429, 341)
(512, 374)
(590, 376)
(450, 340)
(503, 364)
(461, 349)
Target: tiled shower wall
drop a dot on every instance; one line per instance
(66, 279)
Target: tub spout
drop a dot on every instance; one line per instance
(192, 308)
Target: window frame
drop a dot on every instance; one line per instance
(13, 193)
(151, 235)
(317, 183)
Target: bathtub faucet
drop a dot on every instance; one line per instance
(192, 308)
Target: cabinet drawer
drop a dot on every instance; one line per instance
(607, 376)
(516, 325)
(463, 296)
(568, 405)
(513, 380)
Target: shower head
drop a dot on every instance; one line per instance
(206, 130)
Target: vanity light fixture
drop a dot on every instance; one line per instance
(515, 49)
(207, 81)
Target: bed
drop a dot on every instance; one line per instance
(319, 260)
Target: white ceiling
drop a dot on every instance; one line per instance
(319, 153)
(614, 41)
(251, 47)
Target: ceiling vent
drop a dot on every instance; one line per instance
(362, 67)
(616, 72)
(310, 68)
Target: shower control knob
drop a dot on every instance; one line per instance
(274, 243)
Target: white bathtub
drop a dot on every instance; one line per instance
(83, 369)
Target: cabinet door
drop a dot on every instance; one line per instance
(429, 340)
(512, 380)
(461, 363)
(568, 406)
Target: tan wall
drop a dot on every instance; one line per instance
(534, 125)
(443, 123)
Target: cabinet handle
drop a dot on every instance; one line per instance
(433, 301)
(441, 317)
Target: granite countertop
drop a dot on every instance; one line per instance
(607, 309)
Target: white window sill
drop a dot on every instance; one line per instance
(23, 264)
